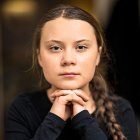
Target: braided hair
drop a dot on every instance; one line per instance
(105, 107)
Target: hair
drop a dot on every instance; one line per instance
(103, 95)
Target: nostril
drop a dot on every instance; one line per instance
(68, 60)
(67, 63)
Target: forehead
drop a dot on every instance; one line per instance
(65, 27)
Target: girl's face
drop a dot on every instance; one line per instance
(68, 53)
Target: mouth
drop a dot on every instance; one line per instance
(69, 74)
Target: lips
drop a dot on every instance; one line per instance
(69, 74)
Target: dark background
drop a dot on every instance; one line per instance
(124, 40)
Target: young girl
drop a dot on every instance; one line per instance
(76, 101)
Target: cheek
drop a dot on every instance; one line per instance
(45, 60)
(89, 71)
(88, 67)
(48, 70)
(49, 66)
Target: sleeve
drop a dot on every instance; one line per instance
(128, 120)
(50, 129)
(20, 117)
(87, 127)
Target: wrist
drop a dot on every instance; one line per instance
(77, 110)
(57, 110)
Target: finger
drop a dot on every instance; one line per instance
(61, 93)
(81, 94)
(74, 98)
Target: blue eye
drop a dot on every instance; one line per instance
(55, 49)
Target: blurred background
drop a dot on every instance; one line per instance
(18, 19)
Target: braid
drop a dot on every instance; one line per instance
(105, 109)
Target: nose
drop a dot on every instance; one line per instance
(68, 58)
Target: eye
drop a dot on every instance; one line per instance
(55, 48)
(81, 48)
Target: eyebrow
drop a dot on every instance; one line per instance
(55, 41)
(82, 40)
(60, 42)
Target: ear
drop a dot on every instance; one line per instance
(98, 56)
(39, 58)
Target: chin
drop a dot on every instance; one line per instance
(68, 87)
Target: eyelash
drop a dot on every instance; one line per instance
(79, 48)
(55, 48)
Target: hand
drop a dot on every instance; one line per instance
(61, 105)
(77, 108)
(65, 99)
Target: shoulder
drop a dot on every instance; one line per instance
(126, 117)
(125, 112)
(33, 104)
(25, 98)
(123, 104)
(23, 103)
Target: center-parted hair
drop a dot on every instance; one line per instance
(102, 94)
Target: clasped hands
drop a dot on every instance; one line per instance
(68, 103)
